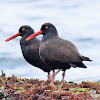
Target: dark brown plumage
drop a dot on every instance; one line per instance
(30, 49)
(58, 53)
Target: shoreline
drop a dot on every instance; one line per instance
(13, 88)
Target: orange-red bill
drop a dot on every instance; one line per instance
(12, 37)
(34, 35)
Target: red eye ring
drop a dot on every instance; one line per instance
(46, 27)
(23, 29)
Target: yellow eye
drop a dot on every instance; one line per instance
(46, 27)
(23, 29)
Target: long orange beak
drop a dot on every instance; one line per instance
(34, 35)
(12, 37)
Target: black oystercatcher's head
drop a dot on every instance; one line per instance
(46, 29)
(24, 30)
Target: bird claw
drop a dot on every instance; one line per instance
(62, 83)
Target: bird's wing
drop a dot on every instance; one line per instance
(85, 58)
(60, 50)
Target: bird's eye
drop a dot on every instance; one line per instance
(23, 29)
(46, 27)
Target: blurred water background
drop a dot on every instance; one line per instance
(76, 20)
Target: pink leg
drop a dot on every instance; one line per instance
(57, 72)
(49, 76)
(53, 76)
(63, 76)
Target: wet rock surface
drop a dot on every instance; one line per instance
(12, 88)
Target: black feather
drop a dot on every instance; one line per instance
(81, 65)
(85, 58)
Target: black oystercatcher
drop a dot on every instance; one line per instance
(30, 49)
(56, 52)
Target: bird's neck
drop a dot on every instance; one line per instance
(49, 36)
(24, 42)
(26, 35)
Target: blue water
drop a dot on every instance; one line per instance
(77, 21)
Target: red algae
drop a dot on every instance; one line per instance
(12, 88)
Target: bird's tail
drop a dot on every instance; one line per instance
(81, 65)
(85, 58)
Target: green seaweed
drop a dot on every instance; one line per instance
(20, 88)
(2, 87)
(58, 87)
(19, 91)
(48, 90)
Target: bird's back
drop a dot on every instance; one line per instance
(59, 50)
(59, 53)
